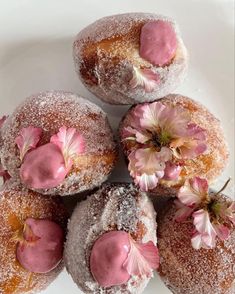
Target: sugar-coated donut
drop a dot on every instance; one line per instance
(186, 270)
(31, 240)
(170, 140)
(102, 232)
(58, 144)
(130, 58)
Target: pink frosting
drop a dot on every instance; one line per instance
(108, 255)
(158, 42)
(41, 249)
(44, 167)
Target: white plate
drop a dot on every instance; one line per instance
(36, 54)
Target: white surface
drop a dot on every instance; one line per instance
(36, 54)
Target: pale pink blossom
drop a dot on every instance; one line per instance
(222, 231)
(144, 78)
(205, 230)
(183, 211)
(171, 171)
(193, 192)
(147, 166)
(28, 139)
(70, 142)
(142, 259)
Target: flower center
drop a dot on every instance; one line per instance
(160, 139)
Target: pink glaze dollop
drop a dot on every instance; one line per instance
(158, 42)
(41, 248)
(44, 167)
(108, 255)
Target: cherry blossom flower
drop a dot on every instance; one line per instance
(28, 139)
(144, 78)
(155, 129)
(142, 258)
(211, 217)
(70, 142)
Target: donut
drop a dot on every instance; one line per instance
(130, 58)
(31, 239)
(194, 261)
(169, 140)
(58, 144)
(111, 241)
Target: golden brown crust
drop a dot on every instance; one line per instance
(106, 51)
(16, 205)
(50, 111)
(208, 165)
(188, 271)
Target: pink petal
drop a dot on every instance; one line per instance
(183, 211)
(203, 224)
(144, 78)
(147, 182)
(199, 241)
(230, 213)
(2, 120)
(70, 142)
(151, 115)
(28, 139)
(196, 132)
(174, 120)
(222, 231)
(139, 135)
(142, 259)
(172, 171)
(150, 161)
(199, 185)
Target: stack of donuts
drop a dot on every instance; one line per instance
(57, 144)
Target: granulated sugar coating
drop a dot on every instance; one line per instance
(50, 111)
(209, 164)
(185, 270)
(112, 207)
(16, 205)
(106, 51)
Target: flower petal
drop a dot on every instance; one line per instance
(193, 192)
(2, 120)
(147, 182)
(183, 211)
(199, 241)
(229, 213)
(150, 114)
(28, 139)
(150, 161)
(70, 142)
(142, 258)
(222, 231)
(140, 136)
(144, 78)
(172, 171)
(204, 226)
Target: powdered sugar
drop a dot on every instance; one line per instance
(188, 271)
(113, 207)
(106, 51)
(50, 111)
(208, 165)
(16, 205)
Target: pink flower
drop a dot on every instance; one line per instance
(144, 78)
(28, 139)
(142, 258)
(193, 192)
(172, 171)
(147, 166)
(154, 127)
(183, 211)
(2, 120)
(70, 142)
(205, 236)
